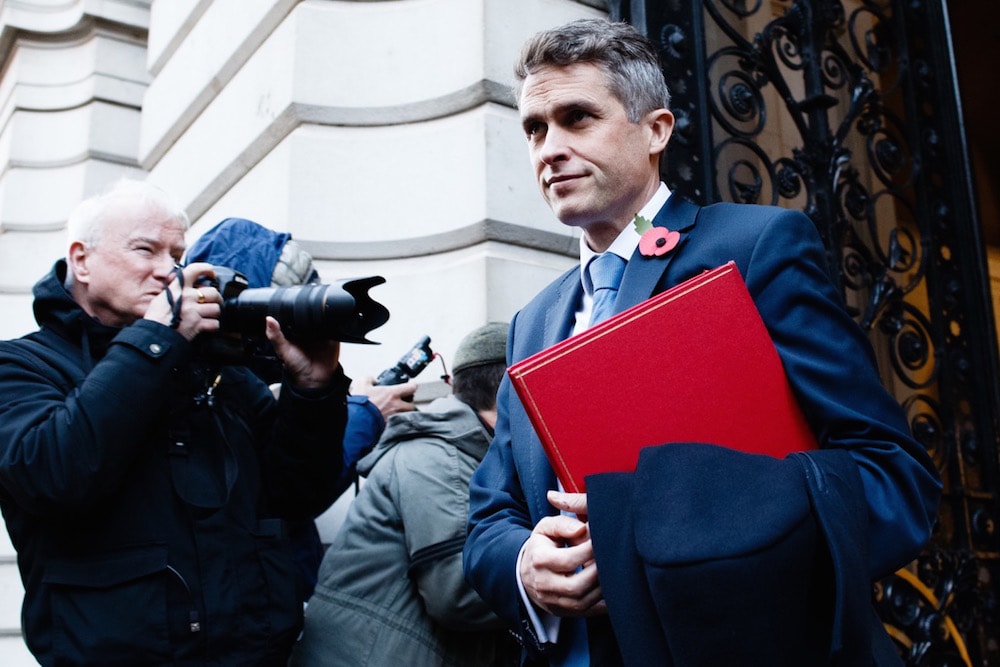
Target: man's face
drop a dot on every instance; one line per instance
(595, 168)
(128, 268)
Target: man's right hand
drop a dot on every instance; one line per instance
(390, 399)
(200, 308)
(558, 571)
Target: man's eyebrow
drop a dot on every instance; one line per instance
(567, 106)
(582, 103)
(156, 243)
(528, 119)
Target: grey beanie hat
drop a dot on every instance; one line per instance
(485, 345)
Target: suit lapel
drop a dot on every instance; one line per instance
(560, 314)
(642, 274)
(560, 308)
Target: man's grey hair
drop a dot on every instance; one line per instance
(86, 222)
(628, 58)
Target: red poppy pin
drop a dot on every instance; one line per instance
(655, 241)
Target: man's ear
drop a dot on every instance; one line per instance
(77, 258)
(661, 124)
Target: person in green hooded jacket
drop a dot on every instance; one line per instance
(391, 586)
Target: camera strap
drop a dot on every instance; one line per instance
(204, 462)
(175, 306)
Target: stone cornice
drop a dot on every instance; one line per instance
(465, 99)
(294, 115)
(69, 20)
(464, 237)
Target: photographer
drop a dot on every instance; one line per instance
(146, 497)
(273, 259)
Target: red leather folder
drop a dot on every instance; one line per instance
(692, 364)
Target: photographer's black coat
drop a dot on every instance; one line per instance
(148, 511)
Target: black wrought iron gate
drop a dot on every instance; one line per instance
(848, 110)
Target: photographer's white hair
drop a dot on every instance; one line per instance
(86, 222)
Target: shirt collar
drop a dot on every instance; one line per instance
(628, 239)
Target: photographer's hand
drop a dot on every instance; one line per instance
(389, 399)
(309, 366)
(200, 307)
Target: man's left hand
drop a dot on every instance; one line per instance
(308, 366)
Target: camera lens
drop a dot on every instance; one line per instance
(339, 311)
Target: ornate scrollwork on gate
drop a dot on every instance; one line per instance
(842, 109)
(928, 613)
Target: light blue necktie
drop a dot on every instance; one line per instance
(606, 272)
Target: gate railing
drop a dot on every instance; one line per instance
(849, 111)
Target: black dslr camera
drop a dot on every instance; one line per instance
(341, 311)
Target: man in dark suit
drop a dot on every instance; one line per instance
(704, 555)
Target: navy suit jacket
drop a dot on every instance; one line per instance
(828, 360)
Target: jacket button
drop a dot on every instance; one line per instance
(155, 348)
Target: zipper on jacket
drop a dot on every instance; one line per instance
(194, 622)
